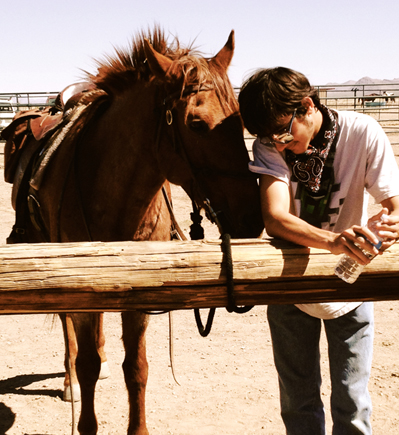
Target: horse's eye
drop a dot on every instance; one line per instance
(198, 126)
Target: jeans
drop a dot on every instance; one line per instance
(296, 337)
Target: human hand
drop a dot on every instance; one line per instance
(358, 243)
(387, 227)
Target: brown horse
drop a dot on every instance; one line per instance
(369, 98)
(154, 113)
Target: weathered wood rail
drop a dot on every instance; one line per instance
(40, 278)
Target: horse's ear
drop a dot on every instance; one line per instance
(223, 58)
(159, 64)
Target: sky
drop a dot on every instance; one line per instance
(47, 43)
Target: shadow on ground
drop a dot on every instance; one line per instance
(16, 385)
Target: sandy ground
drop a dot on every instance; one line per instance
(228, 383)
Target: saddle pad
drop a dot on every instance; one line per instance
(68, 131)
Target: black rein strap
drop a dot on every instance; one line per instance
(231, 300)
(196, 231)
(228, 259)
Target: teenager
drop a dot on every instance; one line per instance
(317, 168)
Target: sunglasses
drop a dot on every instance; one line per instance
(286, 136)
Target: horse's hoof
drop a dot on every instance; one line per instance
(67, 396)
(104, 371)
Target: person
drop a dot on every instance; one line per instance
(317, 168)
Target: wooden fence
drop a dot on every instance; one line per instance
(94, 276)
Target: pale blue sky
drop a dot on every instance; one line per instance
(45, 43)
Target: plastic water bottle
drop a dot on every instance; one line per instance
(348, 269)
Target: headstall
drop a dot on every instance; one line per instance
(178, 145)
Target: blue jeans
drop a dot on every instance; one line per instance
(296, 337)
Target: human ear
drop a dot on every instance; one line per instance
(308, 103)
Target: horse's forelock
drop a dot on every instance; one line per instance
(223, 87)
(127, 66)
(196, 70)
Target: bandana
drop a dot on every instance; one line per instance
(307, 168)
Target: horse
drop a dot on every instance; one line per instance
(152, 114)
(369, 98)
(389, 96)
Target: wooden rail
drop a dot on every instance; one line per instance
(41, 278)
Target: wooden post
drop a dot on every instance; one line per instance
(40, 278)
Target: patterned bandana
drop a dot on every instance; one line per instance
(308, 167)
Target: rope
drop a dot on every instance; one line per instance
(228, 260)
(204, 332)
(231, 300)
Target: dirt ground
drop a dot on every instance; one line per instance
(228, 384)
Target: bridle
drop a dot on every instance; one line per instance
(167, 120)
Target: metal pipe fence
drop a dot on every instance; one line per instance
(29, 100)
(378, 100)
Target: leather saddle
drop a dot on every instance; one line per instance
(33, 138)
(37, 123)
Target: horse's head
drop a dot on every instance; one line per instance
(200, 142)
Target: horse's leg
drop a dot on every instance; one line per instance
(88, 363)
(135, 369)
(71, 380)
(71, 350)
(104, 372)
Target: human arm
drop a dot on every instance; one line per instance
(282, 223)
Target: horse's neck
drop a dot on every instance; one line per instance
(119, 158)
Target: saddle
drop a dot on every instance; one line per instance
(33, 138)
(38, 124)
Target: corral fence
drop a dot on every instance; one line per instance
(29, 100)
(151, 275)
(379, 100)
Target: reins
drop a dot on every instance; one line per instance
(196, 231)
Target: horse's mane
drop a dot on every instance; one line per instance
(127, 66)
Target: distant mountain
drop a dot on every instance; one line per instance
(366, 81)
(350, 83)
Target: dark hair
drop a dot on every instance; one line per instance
(271, 93)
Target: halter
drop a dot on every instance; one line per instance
(178, 145)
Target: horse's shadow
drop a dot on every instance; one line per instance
(16, 385)
(7, 418)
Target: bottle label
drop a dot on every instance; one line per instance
(377, 245)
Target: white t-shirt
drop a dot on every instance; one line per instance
(364, 165)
